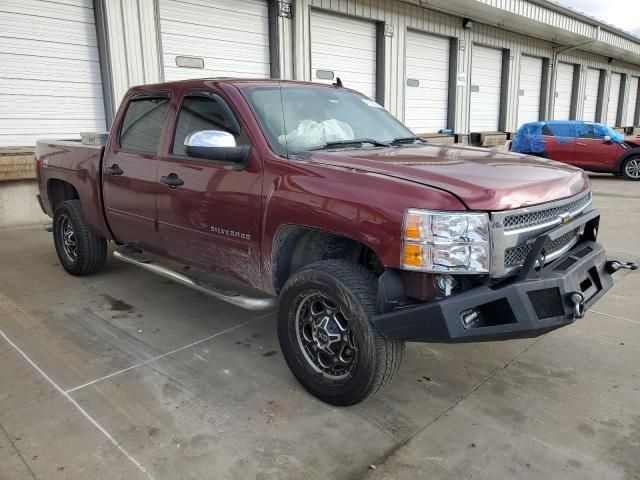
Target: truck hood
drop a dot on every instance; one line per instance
(482, 179)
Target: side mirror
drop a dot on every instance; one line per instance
(217, 146)
(607, 139)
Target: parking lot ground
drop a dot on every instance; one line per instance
(126, 375)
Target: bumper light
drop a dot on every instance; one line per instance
(470, 318)
(446, 242)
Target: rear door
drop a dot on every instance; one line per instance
(129, 172)
(593, 153)
(559, 142)
(212, 220)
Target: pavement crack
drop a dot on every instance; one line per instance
(24, 462)
(387, 455)
(616, 195)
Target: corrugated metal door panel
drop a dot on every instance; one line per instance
(347, 47)
(427, 85)
(530, 89)
(591, 95)
(231, 37)
(614, 99)
(564, 92)
(486, 79)
(50, 83)
(633, 102)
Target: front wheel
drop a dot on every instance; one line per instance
(327, 338)
(631, 168)
(80, 251)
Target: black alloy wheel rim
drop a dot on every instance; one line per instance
(325, 336)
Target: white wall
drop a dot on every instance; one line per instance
(18, 204)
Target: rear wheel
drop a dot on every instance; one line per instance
(80, 251)
(326, 336)
(631, 168)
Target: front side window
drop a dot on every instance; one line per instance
(205, 112)
(142, 124)
(309, 118)
(584, 130)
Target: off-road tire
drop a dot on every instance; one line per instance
(353, 289)
(91, 250)
(623, 168)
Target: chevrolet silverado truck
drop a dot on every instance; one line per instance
(315, 200)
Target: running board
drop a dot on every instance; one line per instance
(235, 298)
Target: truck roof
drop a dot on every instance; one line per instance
(239, 82)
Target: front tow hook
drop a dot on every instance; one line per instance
(578, 304)
(613, 266)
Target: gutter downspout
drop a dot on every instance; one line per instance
(554, 64)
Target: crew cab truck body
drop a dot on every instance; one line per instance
(315, 198)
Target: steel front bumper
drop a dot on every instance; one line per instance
(535, 302)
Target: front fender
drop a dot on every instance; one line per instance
(367, 208)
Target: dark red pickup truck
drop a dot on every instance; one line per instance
(314, 198)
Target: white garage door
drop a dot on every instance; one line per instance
(219, 38)
(50, 84)
(427, 83)
(633, 102)
(614, 99)
(486, 79)
(530, 89)
(591, 95)
(564, 92)
(344, 47)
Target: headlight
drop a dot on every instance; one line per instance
(445, 242)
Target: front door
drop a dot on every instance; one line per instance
(592, 152)
(130, 169)
(212, 219)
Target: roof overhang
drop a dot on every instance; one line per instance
(604, 39)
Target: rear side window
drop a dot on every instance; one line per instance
(143, 124)
(561, 130)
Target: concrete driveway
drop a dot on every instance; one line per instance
(126, 375)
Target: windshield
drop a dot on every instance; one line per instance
(311, 118)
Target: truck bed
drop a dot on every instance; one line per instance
(79, 166)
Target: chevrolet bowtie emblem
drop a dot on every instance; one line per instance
(565, 219)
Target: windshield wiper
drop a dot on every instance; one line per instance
(402, 140)
(356, 141)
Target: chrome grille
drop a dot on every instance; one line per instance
(540, 217)
(515, 256)
(514, 231)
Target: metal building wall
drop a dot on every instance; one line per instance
(134, 48)
(130, 29)
(590, 60)
(405, 16)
